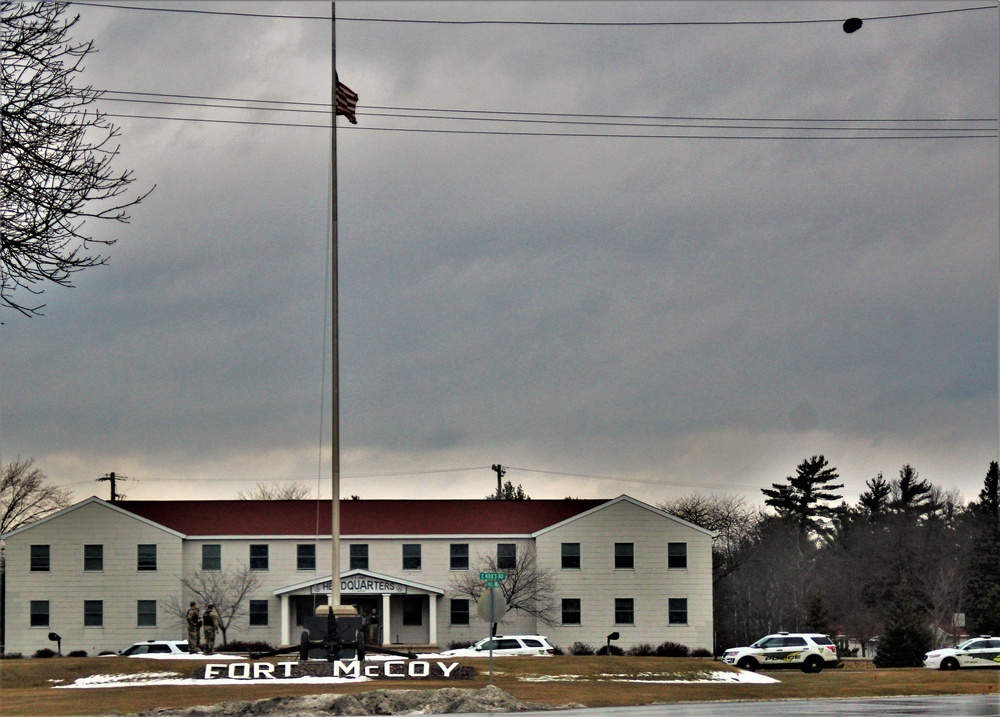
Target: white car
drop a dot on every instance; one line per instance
(982, 651)
(506, 645)
(807, 651)
(156, 647)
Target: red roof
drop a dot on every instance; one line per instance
(358, 517)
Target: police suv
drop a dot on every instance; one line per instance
(809, 652)
(982, 651)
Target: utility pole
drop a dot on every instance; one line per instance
(500, 471)
(115, 496)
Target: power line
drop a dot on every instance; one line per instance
(591, 135)
(549, 23)
(326, 110)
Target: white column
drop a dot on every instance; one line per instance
(433, 619)
(286, 619)
(386, 632)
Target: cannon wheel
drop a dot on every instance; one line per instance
(304, 646)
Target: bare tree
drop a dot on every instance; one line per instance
(528, 589)
(57, 152)
(276, 491)
(25, 496)
(228, 590)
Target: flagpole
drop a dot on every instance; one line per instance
(335, 350)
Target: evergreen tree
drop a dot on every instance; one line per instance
(874, 502)
(906, 638)
(818, 618)
(983, 586)
(804, 499)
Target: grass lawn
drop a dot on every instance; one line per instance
(27, 685)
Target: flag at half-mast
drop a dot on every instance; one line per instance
(347, 102)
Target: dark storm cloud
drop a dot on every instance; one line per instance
(673, 312)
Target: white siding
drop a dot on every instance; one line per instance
(650, 583)
(120, 585)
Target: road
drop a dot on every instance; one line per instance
(947, 706)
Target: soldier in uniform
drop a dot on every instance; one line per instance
(210, 620)
(194, 627)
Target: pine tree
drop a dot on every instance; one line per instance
(804, 499)
(906, 638)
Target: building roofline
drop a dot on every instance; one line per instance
(626, 499)
(351, 573)
(88, 501)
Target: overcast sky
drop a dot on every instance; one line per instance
(656, 316)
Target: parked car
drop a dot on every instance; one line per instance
(156, 647)
(807, 651)
(507, 645)
(982, 651)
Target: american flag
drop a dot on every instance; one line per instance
(347, 102)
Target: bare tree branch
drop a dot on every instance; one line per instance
(528, 589)
(275, 491)
(25, 497)
(228, 590)
(57, 152)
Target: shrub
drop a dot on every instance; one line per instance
(701, 652)
(460, 644)
(581, 648)
(78, 653)
(45, 652)
(610, 650)
(643, 649)
(11, 656)
(672, 649)
(247, 646)
(102, 653)
(556, 650)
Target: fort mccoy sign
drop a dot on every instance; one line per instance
(351, 669)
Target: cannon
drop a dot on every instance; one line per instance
(333, 638)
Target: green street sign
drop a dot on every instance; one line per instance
(493, 577)
(492, 584)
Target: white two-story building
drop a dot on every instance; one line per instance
(102, 575)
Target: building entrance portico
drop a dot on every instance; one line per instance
(396, 611)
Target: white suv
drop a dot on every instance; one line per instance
(506, 645)
(810, 652)
(156, 647)
(982, 651)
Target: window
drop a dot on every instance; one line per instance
(40, 559)
(571, 611)
(677, 611)
(93, 558)
(413, 611)
(459, 612)
(39, 613)
(624, 611)
(411, 557)
(211, 557)
(677, 556)
(506, 556)
(305, 557)
(93, 613)
(789, 641)
(258, 612)
(624, 556)
(570, 556)
(258, 557)
(459, 556)
(145, 613)
(359, 556)
(146, 558)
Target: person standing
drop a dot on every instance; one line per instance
(194, 627)
(210, 622)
